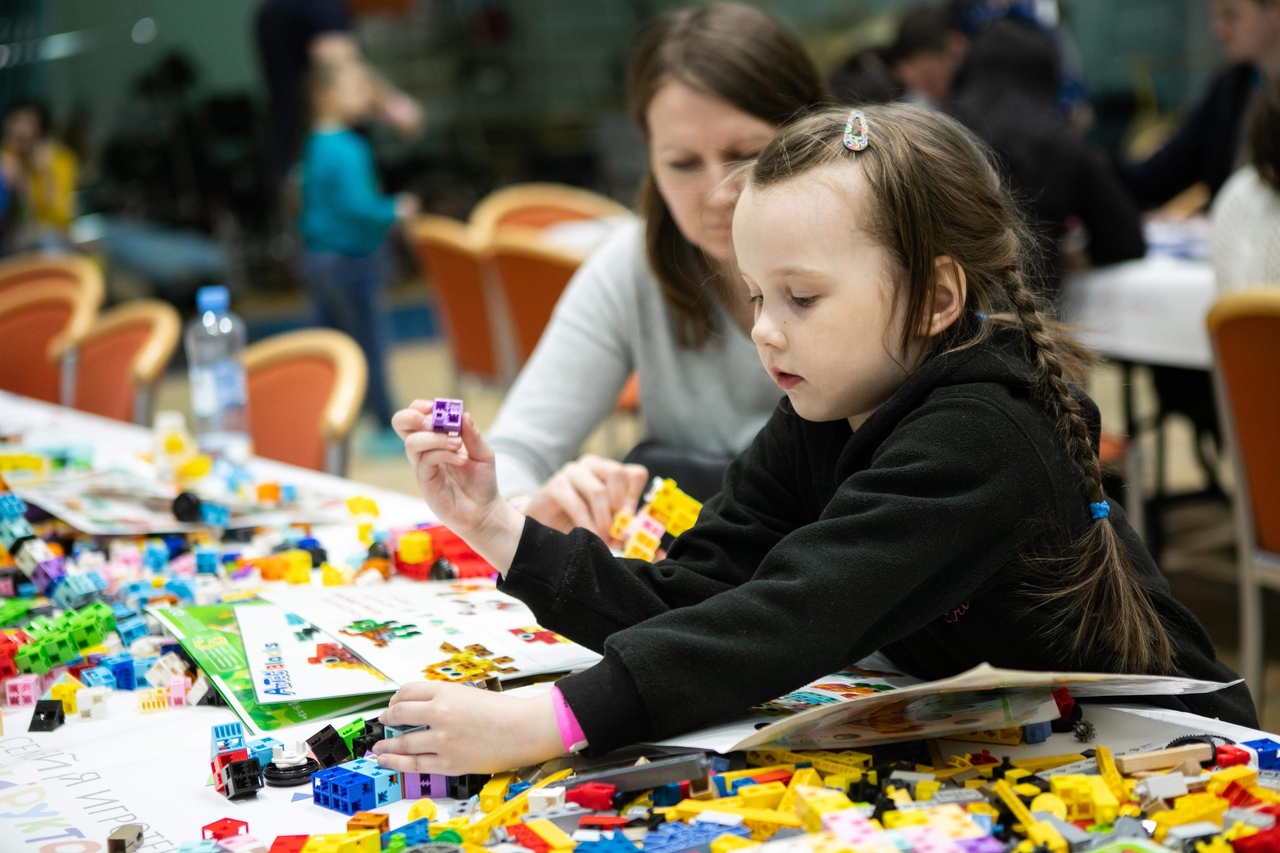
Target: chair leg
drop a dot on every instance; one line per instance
(1252, 663)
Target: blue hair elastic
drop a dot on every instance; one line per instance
(980, 315)
(1099, 510)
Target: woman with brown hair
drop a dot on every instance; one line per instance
(708, 87)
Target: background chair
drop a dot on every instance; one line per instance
(1245, 329)
(539, 205)
(456, 262)
(531, 276)
(119, 360)
(34, 267)
(39, 322)
(305, 392)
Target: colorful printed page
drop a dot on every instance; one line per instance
(211, 635)
(436, 631)
(868, 704)
(291, 660)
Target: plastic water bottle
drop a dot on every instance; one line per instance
(219, 400)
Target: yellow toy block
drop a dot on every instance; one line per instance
(1110, 775)
(479, 831)
(760, 822)
(636, 551)
(1219, 781)
(1050, 803)
(897, 819)
(359, 505)
(331, 575)
(1025, 790)
(1036, 832)
(925, 790)
(953, 822)
(416, 547)
(766, 796)
(421, 809)
(557, 839)
(803, 776)
(621, 521)
(364, 531)
(729, 843)
(495, 791)
(153, 701)
(813, 802)
(1047, 762)
(296, 574)
(1004, 737)
(363, 841)
(66, 694)
(1217, 844)
(1239, 830)
(1191, 808)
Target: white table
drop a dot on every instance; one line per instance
(1149, 312)
(84, 779)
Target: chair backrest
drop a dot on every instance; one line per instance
(531, 275)
(455, 261)
(539, 205)
(39, 320)
(305, 393)
(33, 267)
(118, 361)
(1245, 328)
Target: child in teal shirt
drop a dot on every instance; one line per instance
(345, 221)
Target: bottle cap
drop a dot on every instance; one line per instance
(213, 298)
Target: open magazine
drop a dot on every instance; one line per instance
(869, 703)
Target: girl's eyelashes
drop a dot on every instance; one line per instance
(684, 165)
(803, 301)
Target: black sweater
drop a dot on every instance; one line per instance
(828, 544)
(1206, 147)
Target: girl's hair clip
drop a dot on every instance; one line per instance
(855, 131)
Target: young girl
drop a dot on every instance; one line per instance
(929, 488)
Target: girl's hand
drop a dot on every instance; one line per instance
(456, 477)
(472, 731)
(587, 493)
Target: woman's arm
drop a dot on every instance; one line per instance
(1108, 211)
(572, 380)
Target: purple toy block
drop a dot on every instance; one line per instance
(985, 844)
(446, 415)
(48, 573)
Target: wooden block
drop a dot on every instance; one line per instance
(1164, 759)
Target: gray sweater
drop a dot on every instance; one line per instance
(610, 321)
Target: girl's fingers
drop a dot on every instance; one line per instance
(565, 496)
(416, 691)
(406, 421)
(477, 447)
(413, 743)
(637, 477)
(421, 763)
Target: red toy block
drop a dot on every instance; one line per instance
(289, 843)
(1267, 841)
(596, 796)
(225, 828)
(602, 822)
(783, 776)
(1238, 795)
(222, 760)
(1229, 756)
(527, 838)
(445, 543)
(984, 757)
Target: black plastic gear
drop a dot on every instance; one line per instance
(1084, 731)
(290, 777)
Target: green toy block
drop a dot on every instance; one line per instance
(351, 731)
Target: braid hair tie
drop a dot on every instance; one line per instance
(1099, 510)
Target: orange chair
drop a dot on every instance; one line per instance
(120, 358)
(1245, 329)
(33, 267)
(39, 321)
(538, 206)
(305, 393)
(457, 263)
(531, 277)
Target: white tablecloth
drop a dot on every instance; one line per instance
(1149, 311)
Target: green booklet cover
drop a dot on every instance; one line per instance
(211, 635)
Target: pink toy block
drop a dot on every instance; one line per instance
(850, 827)
(178, 687)
(21, 690)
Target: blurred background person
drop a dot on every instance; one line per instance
(40, 176)
(1210, 143)
(927, 54)
(1008, 95)
(1246, 213)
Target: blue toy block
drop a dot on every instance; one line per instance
(386, 783)
(140, 667)
(1268, 753)
(12, 506)
(76, 591)
(617, 843)
(1036, 732)
(215, 515)
(261, 748)
(288, 493)
(227, 737)
(121, 668)
(342, 790)
(25, 589)
(176, 543)
(13, 529)
(122, 611)
(206, 560)
(676, 837)
(155, 556)
(133, 628)
(410, 834)
(208, 846)
(99, 676)
(184, 588)
(518, 788)
(667, 795)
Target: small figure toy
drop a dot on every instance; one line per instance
(446, 416)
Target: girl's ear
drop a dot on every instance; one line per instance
(949, 291)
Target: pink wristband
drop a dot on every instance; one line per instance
(571, 734)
